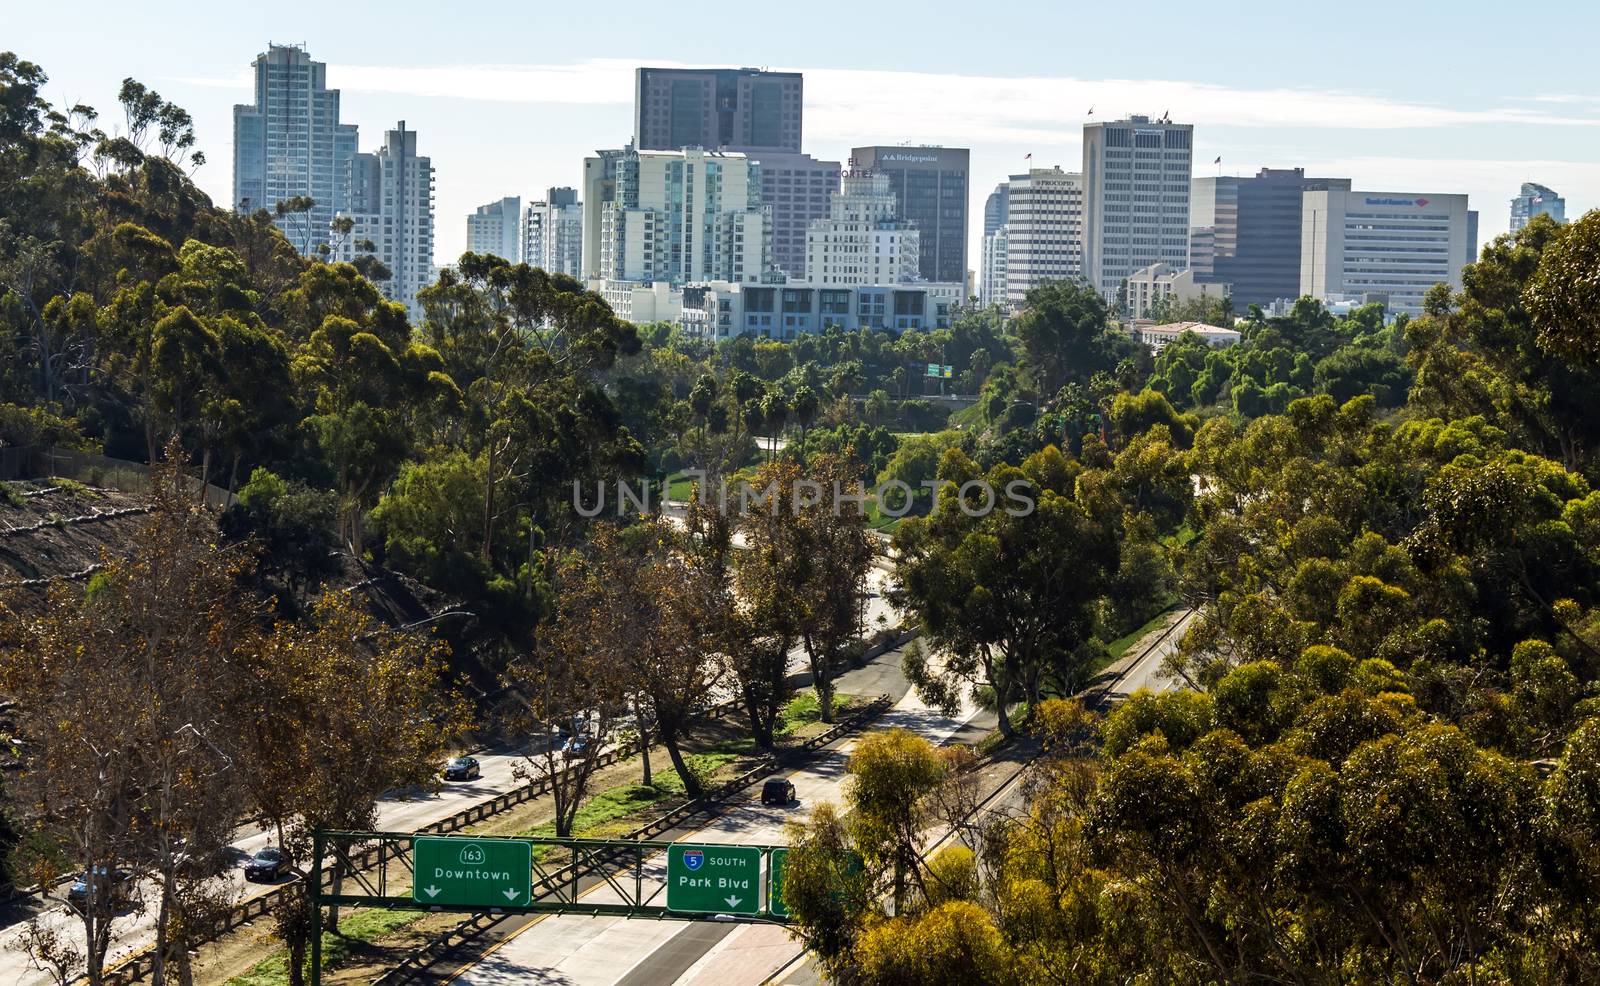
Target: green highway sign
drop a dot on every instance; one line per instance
(712, 879)
(775, 905)
(465, 872)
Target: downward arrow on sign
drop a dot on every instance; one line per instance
(512, 894)
(732, 901)
(431, 891)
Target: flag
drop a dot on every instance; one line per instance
(1028, 156)
(1091, 111)
(1218, 160)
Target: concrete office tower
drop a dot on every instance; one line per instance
(797, 190)
(496, 229)
(756, 113)
(552, 233)
(992, 268)
(930, 186)
(1136, 198)
(1536, 200)
(1245, 232)
(1381, 246)
(746, 109)
(1044, 230)
(290, 143)
(674, 217)
(861, 241)
(391, 204)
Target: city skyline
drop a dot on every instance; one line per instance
(505, 126)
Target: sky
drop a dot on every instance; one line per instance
(507, 98)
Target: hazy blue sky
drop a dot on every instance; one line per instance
(1471, 97)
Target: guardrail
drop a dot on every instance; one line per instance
(139, 964)
(426, 956)
(1099, 693)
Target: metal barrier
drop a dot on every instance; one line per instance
(425, 957)
(138, 965)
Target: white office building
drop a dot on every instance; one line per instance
(722, 310)
(391, 205)
(1136, 175)
(1044, 230)
(861, 241)
(1149, 288)
(496, 229)
(552, 233)
(1383, 246)
(673, 216)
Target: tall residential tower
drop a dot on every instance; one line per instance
(289, 143)
(391, 204)
(496, 229)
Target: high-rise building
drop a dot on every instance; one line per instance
(1044, 230)
(496, 229)
(756, 113)
(674, 217)
(797, 190)
(992, 268)
(552, 233)
(289, 143)
(1136, 198)
(1245, 232)
(930, 186)
(391, 205)
(995, 207)
(861, 241)
(992, 249)
(743, 109)
(1381, 246)
(1535, 200)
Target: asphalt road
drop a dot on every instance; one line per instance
(135, 927)
(591, 951)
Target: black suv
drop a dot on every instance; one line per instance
(777, 791)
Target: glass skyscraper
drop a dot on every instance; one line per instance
(1534, 200)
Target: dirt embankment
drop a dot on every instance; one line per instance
(54, 532)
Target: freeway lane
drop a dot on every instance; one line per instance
(402, 811)
(1142, 668)
(399, 812)
(585, 951)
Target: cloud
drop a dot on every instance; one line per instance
(952, 108)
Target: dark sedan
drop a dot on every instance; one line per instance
(462, 769)
(267, 866)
